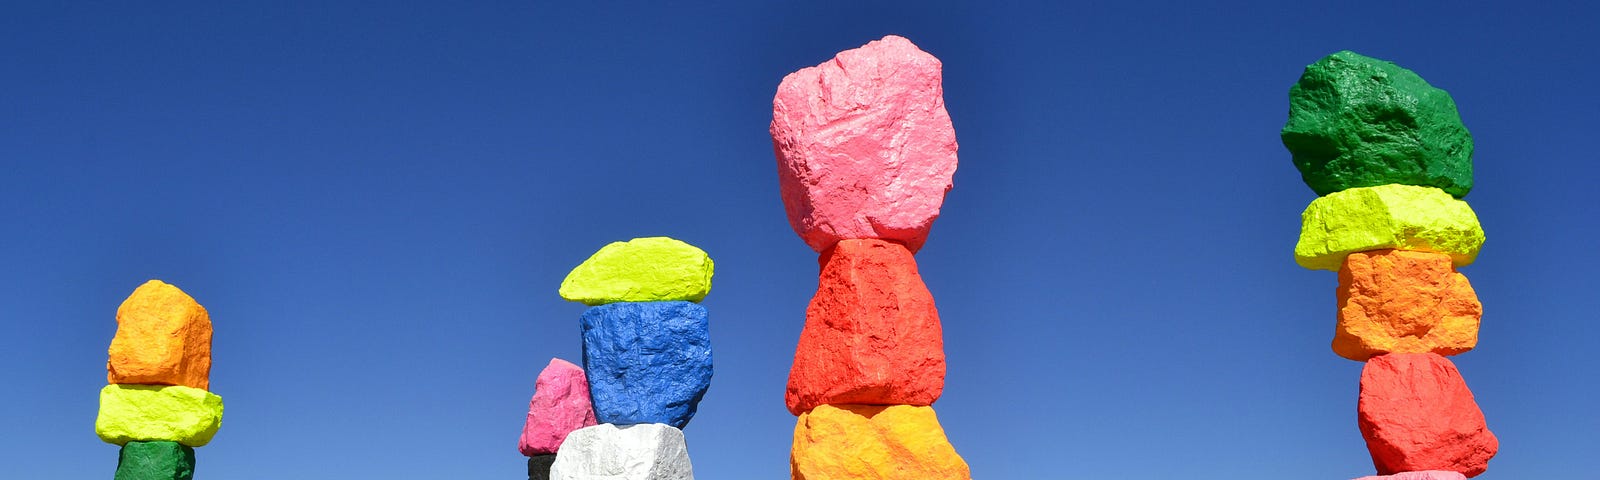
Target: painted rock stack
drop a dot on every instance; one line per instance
(646, 357)
(1390, 157)
(157, 407)
(866, 152)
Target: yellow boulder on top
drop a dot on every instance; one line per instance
(163, 338)
(653, 269)
(873, 442)
(1394, 216)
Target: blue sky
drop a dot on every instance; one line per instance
(377, 201)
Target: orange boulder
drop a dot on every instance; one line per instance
(163, 338)
(872, 334)
(865, 442)
(1399, 301)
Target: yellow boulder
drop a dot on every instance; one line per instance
(163, 338)
(651, 269)
(873, 442)
(157, 413)
(1394, 216)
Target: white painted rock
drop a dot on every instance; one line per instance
(649, 451)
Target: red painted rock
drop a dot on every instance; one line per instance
(1417, 414)
(872, 334)
(865, 147)
(559, 406)
(1399, 301)
(1424, 475)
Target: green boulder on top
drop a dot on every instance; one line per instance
(1357, 121)
(155, 461)
(653, 269)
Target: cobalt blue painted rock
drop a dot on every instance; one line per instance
(648, 362)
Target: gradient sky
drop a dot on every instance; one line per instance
(376, 201)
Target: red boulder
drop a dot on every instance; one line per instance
(1416, 413)
(872, 334)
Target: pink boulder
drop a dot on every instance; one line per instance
(1425, 475)
(560, 405)
(1417, 414)
(865, 147)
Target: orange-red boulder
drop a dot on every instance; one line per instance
(1399, 301)
(872, 334)
(1416, 413)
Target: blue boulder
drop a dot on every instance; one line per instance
(647, 362)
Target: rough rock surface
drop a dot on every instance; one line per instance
(872, 334)
(1356, 121)
(650, 451)
(1387, 216)
(1423, 475)
(163, 338)
(866, 442)
(155, 461)
(147, 413)
(647, 362)
(539, 466)
(865, 147)
(1417, 414)
(1398, 301)
(649, 269)
(560, 404)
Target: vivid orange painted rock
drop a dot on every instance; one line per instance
(1416, 413)
(163, 338)
(866, 442)
(872, 333)
(1398, 301)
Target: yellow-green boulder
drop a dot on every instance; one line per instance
(653, 269)
(1402, 217)
(150, 413)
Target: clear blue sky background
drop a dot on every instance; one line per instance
(376, 201)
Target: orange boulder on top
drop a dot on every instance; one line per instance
(1399, 301)
(163, 338)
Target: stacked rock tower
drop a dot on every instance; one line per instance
(1391, 158)
(157, 406)
(866, 152)
(646, 362)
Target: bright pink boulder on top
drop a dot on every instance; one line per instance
(560, 405)
(865, 147)
(1424, 475)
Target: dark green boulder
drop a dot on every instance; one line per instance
(155, 461)
(1357, 121)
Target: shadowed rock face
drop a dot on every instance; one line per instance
(539, 466)
(865, 147)
(1356, 121)
(1417, 414)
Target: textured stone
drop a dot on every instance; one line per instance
(650, 451)
(539, 466)
(1423, 475)
(1388, 216)
(1356, 121)
(865, 147)
(865, 442)
(647, 362)
(155, 461)
(560, 404)
(1398, 301)
(163, 338)
(147, 413)
(649, 269)
(872, 334)
(1417, 414)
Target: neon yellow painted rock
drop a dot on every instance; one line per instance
(653, 269)
(147, 413)
(1394, 216)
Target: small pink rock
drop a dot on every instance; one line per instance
(560, 405)
(1424, 475)
(865, 147)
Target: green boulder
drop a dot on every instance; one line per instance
(1401, 217)
(155, 461)
(654, 269)
(1357, 121)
